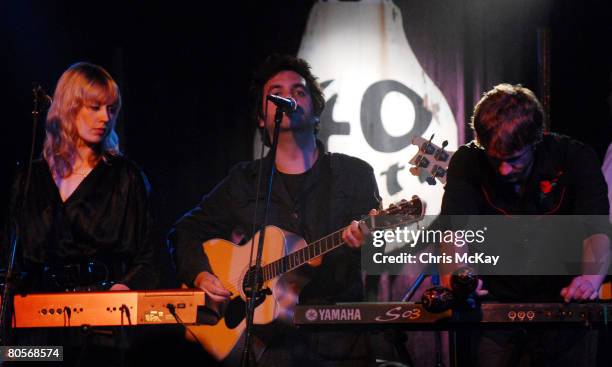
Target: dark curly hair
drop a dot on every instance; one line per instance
(508, 118)
(274, 64)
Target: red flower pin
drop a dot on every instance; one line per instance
(546, 186)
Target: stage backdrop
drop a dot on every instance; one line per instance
(378, 94)
(392, 71)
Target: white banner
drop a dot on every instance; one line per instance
(378, 95)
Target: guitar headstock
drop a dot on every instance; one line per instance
(432, 158)
(400, 213)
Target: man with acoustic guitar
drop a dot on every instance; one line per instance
(314, 193)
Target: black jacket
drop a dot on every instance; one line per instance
(566, 179)
(336, 190)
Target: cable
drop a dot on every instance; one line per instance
(172, 308)
(123, 343)
(125, 310)
(67, 315)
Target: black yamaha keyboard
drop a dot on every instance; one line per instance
(366, 313)
(584, 313)
(380, 314)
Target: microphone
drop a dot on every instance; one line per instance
(41, 97)
(286, 104)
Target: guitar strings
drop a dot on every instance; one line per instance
(234, 284)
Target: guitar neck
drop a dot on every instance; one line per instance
(300, 257)
(406, 212)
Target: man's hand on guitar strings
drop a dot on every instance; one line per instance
(354, 234)
(212, 286)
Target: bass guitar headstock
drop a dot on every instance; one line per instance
(432, 158)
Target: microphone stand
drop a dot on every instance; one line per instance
(415, 285)
(437, 334)
(6, 313)
(397, 337)
(254, 272)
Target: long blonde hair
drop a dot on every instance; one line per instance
(81, 84)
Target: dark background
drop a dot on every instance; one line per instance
(184, 71)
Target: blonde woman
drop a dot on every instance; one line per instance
(84, 225)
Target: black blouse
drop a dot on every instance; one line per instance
(98, 236)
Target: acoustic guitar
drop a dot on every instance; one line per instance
(284, 253)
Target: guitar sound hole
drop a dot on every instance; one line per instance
(236, 308)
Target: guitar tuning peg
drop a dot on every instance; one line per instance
(430, 180)
(444, 144)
